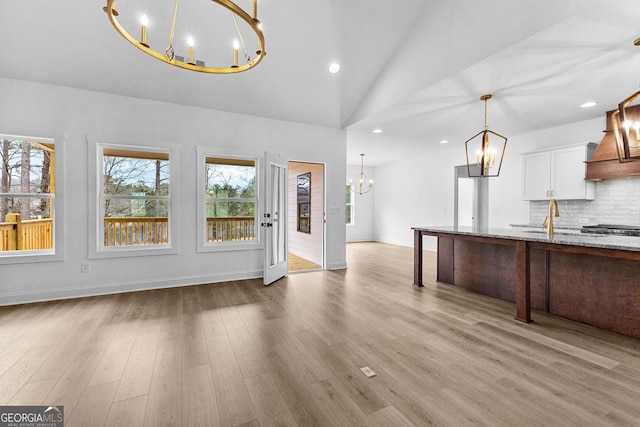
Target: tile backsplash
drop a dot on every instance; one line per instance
(617, 201)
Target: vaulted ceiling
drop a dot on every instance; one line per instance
(414, 68)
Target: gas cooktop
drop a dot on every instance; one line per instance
(615, 229)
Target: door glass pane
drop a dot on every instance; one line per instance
(279, 186)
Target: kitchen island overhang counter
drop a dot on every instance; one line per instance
(593, 279)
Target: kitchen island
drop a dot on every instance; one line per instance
(593, 279)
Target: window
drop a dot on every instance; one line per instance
(27, 196)
(303, 193)
(228, 202)
(349, 205)
(134, 198)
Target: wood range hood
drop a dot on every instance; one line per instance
(605, 163)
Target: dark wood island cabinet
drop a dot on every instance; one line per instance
(589, 279)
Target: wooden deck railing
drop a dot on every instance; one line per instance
(131, 231)
(19, 235)
(38, 234)
(8, 236)
(228, 229)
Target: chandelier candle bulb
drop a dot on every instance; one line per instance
(190, 42)
(236, 46)
(143, 38)
(628, 124)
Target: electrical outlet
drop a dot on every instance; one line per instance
(85, 267)
(368, 372)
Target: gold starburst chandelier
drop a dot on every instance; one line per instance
(167, 21)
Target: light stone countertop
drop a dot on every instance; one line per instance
(557, 227)
(604, 241)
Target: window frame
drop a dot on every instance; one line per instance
(97, 248)
(201, 203)
(350, 206)
(56, 253)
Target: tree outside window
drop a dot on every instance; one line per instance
(27, 194)
(230, 199)
(135, 197)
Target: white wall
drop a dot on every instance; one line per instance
(414, 192)
(83, 117)
(307, 245)
(419, 191)
(363, 224)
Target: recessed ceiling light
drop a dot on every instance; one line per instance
(377, 131)
(444, 141)
(334, 67)
(589, 104)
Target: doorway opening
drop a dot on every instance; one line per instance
(471, 199)
(306, 216)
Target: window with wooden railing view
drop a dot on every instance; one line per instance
(230, 199)
(135, 197)
(27, 194)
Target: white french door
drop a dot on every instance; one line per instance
(274, 219)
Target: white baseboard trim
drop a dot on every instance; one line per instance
(116, 288)
(427, 246)
(337, 266)
(364, 239)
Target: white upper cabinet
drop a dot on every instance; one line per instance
(558, 173)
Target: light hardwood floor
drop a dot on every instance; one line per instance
(297, 263)
(240, 354)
